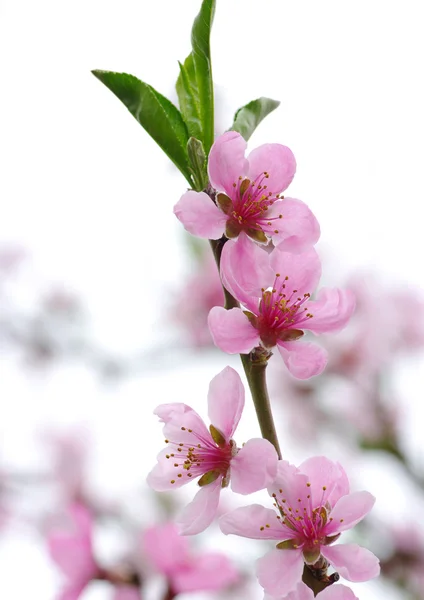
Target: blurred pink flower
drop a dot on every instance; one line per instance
(212, 454)
(185, 571)
(200, 293)
(302, 592)
(249, 198)
(276, 288)
(314, 507)
(71, 549)
(126, 592)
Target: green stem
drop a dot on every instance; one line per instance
(254, 365)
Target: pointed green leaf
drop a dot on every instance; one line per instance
(197, 160)
(188, 98)
(200, 43)
(159, 117)
(248, 117)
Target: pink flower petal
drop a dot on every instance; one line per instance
(254, 467)
(165, 548)
(294, 486)
(278, 161)
(279, 571)
(331, 310)
(299, 229)
(323, 472)
(227, 162)
(352, 561)
(302, 592)
(200, 216)
(71, 549)
(250, 522)
(349, 510)
(226, 401)
(208, 571)
(199, 514)
(176, 415)
(231, 330)
(127, 592)
(303, 270)
(245, 271)
(303, 359)
(160, 477)
(337, 592)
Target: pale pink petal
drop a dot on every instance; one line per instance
(303, 270)
(70, 546)
(299, 228)
(227, 162)
(160, 477)
(73, 592)
(208, 571)
(165, 548)
(303, 359)
(254, 467)
(331, 310)
(276, 160)
(232, 331)
(251, 522)
(127, 592)
(279, 571)
(176, 415)
(323, 472)
(349, 510)
(226, 401)
(293, 485)
(302, 592)
(245, 271)
(352, 561)
(200, 216)
(337, 592)
(199, 514)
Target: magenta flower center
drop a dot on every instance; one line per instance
(281, 313)
(251, 201)
(202, 455)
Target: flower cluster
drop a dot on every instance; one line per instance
(270, 268)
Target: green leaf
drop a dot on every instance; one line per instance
(200, 43)
(188, 97)
(159, 117)
(248, 117)
(197, 158)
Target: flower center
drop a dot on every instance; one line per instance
(200, 456)
(281, 313)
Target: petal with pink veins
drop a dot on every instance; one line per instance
(303, 359)
(254, 467)
(292, 483)
(207, 572)
(226, 401)
(164, 471)
(324, 473)
(279, 571)
(199, 514)
(352, 561)
(165, 548)
(232, 331)
(245, 271)
(299, 229)
(176, 415)
(303, 270)
(200, 216)
(331, 310)
(337, 592)
(250, 522)
(276, 160)
(349, 510)
(227, 162)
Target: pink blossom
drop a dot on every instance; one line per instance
(126, 592)
(249, 197)
(71, 549)
(193, 451)
(276, 288)
(313, 507)
(302, 592)
(186, 572)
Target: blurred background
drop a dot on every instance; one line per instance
(103, 297)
